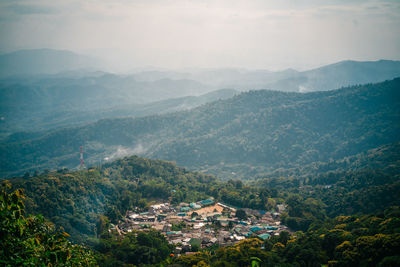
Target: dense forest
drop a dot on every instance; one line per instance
(241, 137)
(330, 158)
(200, 133)
(368, 240)
(33, 241)
(321, 208)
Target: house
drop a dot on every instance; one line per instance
(194, 206)
(264, 236)
(185, 209)
(207, 202)
(255, 229)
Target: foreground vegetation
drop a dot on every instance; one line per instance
(33, 241)
(341, 218)
(367, 240)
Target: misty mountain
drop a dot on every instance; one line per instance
(43, 101)
(43, 61)
(341, 74)
(252, 133)
(329, 77)
(240, 79)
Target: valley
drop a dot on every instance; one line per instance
(176, 171)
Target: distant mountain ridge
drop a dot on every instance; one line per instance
(41, 120)
(341, 74)
(249, 134)
(46, 101)
(329, 77)
(43, 61)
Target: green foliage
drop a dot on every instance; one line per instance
(364, 183)
(337, 242)
(31, 241)
(249, 134)
(138, 248)
(241, 214)
(303, 212)
(78, 201)
(87, 202)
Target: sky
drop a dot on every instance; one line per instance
(176, 34)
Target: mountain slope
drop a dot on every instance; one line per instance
(43, 102)
(77, 200)
(251, 133)
(31, 119)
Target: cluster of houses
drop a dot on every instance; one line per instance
(190, 226)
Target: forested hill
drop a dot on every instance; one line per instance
(77, 200)
(84, 202)
(80, 200)
(251, 133)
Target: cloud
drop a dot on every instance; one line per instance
(122, 151)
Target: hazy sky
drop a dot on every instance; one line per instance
(267, 34)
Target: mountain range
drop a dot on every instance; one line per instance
(49, 89)
(240, 137)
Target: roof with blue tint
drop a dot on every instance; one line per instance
(264, 236)
(207, 201)
(255, 228)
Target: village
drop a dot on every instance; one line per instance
(191, 226)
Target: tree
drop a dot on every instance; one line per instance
(31, 240)
(241, 214)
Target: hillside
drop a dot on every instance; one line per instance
(51, 107)
(85, 202)
(385, 157)
(249, 134)
(42, 102)
(76, 200)
(366, 183)
(64, 96)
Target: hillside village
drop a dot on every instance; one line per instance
(190, 226)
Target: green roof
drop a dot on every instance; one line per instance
(255, 228)
(264, 236)
(207, 201)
